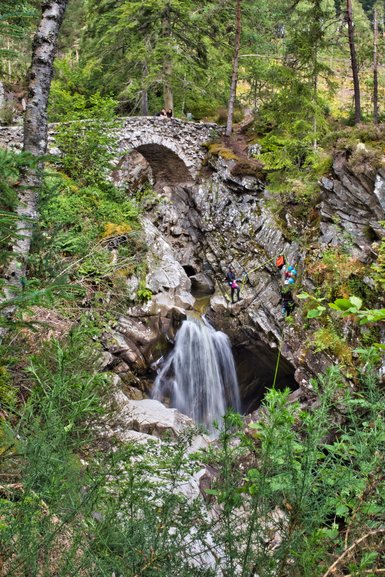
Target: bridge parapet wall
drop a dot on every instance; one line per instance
(183, 138)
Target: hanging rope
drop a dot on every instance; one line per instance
(220, 285)
(277, 364)
(246, 274)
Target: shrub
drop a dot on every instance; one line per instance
(327, 339)
(218, 149)
(89, 236)
(248, 168)
(87, 143)
(365, 161)
(378, 267)
(335, 271)
(6, 115)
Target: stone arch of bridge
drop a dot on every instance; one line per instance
(169, 164)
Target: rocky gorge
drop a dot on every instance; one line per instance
(194, 232)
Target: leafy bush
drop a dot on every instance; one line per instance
(291, 494)
(89, 236)
(378, 267)
(87, 142)
(365, 161)
(73, 218)
(334, 272)
(6, 115)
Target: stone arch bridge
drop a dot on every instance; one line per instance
(172, 147)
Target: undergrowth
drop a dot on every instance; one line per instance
(293, 494)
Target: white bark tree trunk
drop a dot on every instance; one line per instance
(35, 133)
(35, 143)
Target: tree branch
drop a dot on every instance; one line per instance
(352, 547)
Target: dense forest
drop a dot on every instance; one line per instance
(117, 227)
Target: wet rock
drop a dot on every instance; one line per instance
(184, 300)
(151, 417)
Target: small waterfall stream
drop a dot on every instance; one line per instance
(199, 374)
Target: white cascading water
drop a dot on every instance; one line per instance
(199, 374)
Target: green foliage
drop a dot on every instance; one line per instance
(11, 165)
(378, 267)
(289, 493)
(116, 509)
(7, 391)
(89, 230)
(288, 149)
(327, 338)
(88, 236)
(77, 216)
(307, 477)
(353, 306)
(55, 423)
(143, 293)
(317, 311)
(336, 272)
(88, 146)
(16, 21)
(155, 44)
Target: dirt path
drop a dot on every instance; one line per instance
(239, 141)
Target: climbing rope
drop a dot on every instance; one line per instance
(245, 274)
(277, 364)
(220, 285)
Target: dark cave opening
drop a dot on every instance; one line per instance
(256, 367)
(256, 364)
(189, 270)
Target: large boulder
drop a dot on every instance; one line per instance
(165, 272)
(152, 419)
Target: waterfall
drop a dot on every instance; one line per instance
(199, 374)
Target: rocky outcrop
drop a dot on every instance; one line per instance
(195, 232)
(353, 204)
(147, 331)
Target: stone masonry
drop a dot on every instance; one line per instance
(172, 147)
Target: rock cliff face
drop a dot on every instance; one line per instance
(353, 203)
(194, 233)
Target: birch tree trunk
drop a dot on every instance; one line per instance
(234, 77)
(354, 64)
(35, 133)
(375, 66)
